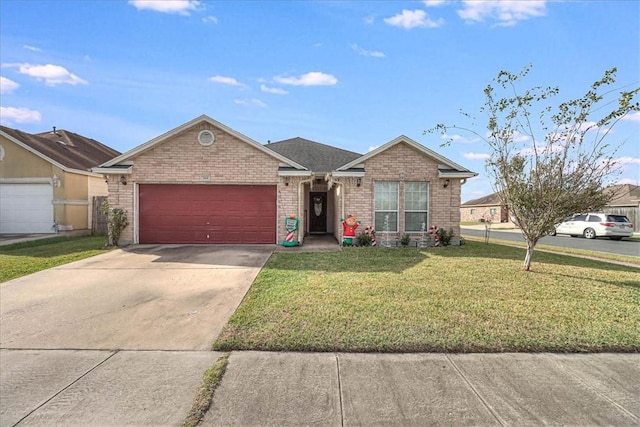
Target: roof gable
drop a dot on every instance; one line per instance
(313, 155)
(446, 166)
(623, 195)
(129, 155)
(67, 150)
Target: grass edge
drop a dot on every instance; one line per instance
(210, 382)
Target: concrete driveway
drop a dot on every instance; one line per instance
(148, 297)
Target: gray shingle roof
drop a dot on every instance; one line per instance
(490, 200)
(314, 156)
(67, 148)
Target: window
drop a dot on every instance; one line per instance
(416, 197)
(386, 204)
(493, 211)
(473, 211)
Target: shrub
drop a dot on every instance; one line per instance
(404, 241)
(116, 222)
(364, 239)
(445, 236)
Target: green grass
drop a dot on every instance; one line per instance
(558, 249)
(473, 298)
(210, 382)
(25, 258)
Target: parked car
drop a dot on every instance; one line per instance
(592, 225)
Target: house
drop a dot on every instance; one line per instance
(624, 199)
(46, 183)
(487, 208)
(204, 182)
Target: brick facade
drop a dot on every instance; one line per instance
(401, 163)
(180, 158)
(493, 213)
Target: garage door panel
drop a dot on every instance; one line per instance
(26, 208)
(183, 213)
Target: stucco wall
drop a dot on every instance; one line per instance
(20, 163)
(70, 195)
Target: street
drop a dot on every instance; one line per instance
(601, 244)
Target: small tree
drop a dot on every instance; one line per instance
(547, 163)
(116, 222)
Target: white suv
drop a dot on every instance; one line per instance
(592, 225)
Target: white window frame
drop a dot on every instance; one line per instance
(397, 211)
(426, 212)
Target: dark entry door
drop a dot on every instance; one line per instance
(317, 212)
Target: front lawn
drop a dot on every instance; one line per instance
(472, 298)
(25, 258)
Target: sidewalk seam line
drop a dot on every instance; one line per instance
(475, 391)
(570, 371)
(67, 387)
(340, 390)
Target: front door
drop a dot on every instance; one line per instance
(317, 212)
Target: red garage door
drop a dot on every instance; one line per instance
(184, 213)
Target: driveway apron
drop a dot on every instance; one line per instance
(149, 297)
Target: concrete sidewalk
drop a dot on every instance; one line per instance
(510, 389)
(99, 388)
(96, 388)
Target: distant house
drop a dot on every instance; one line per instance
(204, 182)
(487, 208)
(46, 183)
(625, 200)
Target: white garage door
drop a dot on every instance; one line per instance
(26, 208)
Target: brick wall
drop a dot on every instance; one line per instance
(401, 163)
(479, 213)
(182, 159)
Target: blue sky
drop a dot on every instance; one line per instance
(350, 74)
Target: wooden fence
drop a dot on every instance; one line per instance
(630, 212)
(98, 218)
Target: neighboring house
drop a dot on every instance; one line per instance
(487, 208)
(625, 200)
(204, 182)
(46, 183)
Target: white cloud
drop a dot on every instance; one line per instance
(364, 52)
(476, 156)
(633, 116)
(373, 147)
(32, 48)
(628, 181)
(226, 81)
(314, 78)
(253, 102)
(7, 85)
(210, 19)
(409, 19)
(434, 3)
(181, 7)
(460, 138)
(10, 115)
(506, 12)
(52, 75)
(369, 19)
(627, 160)
(276, 90)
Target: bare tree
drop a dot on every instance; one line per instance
(549, 162)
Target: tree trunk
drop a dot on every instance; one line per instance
(527, 258)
